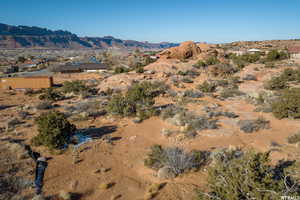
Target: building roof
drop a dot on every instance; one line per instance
(254, 50)
(79, 67)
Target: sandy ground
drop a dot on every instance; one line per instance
(124, 158)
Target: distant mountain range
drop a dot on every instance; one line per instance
(36, 37)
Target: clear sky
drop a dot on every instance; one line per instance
(161, 20)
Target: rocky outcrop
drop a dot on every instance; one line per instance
(186, 50)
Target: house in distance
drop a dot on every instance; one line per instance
(80, 67)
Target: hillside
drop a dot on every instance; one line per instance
(193, 116)
(36, 37)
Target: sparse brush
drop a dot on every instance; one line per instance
(294, 138)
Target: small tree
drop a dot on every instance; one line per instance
(54, 130)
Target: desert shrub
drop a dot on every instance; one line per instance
(291, 75)
(212, 114)
(288, 104)
(138, 99)
(242, 60)
(275, 55)
(223, 70)
(276, 83)
(230, 82)
(119, 70)
(200, 64)
(139, 70)
(282, 81)
(187, 80)
(31, 92)
(175, 158)
(249, 126)
(171, 111)
(155, 157)
(207, 87)
(179, 116)
(44, 105)
(270, 65)
(213, 60)
(250, 77)
(192, 94)
(294, 138)
(54, 130)
(190, 73)
(76, 87)
(23, 114)
(251, 58)
(51, 94)
(249, 176)
(230, 92)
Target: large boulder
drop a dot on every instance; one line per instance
(186, 50)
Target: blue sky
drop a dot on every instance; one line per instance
(161, 20)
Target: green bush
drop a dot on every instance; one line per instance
(207, 87)
(249, 176)
(51, 94)
(54, 130)
(288, 104)
(276, 55)
(139, 99)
